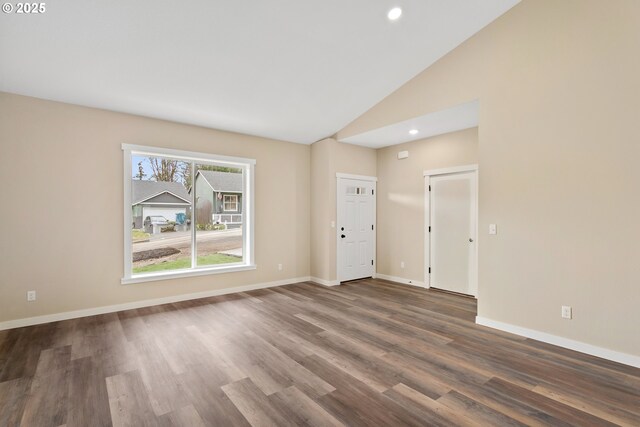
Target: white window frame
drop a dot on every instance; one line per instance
(248, 227)
(224, 202)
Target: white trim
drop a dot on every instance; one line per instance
(249, 207)
(156, 195)
(248, 184)
(156, 276)
(427, 238)
(454, 169)
(324, 282)
(410, 282)
(29, 321)
(224, 208)
(605, 353)
(194, 221)
(360, 177)
(128, 213)
(374, 255)
(427, 219)
(163, 204)
(187, 155)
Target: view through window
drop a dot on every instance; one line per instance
(186, 214)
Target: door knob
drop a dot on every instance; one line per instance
(343, 236)
(471, 240)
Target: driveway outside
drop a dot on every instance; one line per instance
(207, 242)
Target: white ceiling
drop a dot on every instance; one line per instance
(286, 69)
(459, 117)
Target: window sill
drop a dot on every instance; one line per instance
(141, 278)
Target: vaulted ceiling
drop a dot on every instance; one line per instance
(286, 69)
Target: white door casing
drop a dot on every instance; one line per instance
(451, 229)
(355, 227)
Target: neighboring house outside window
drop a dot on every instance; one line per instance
(157, 198)
(213, 202)
(176, 205)
(230, 203)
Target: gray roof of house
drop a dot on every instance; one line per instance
(223, 181)
(144, 190)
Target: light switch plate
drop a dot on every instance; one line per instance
(493, 229)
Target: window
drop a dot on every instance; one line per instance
(179, 219)
(357, 191)
(230, 202)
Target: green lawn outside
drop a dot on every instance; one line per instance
(138, 235)
(182, 263)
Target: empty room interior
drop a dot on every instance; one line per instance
(285, 213)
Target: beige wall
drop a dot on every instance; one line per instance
(322, 168)
(558, 89)
(400, 198)
(62, 169)
(558, 152)
(329, 157)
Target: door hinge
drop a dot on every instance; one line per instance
(429, 187)
(429, 270)
(372, 192)
(372, 226)
(429, 229)
(371, 262)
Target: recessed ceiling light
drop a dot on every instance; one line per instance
(413, 132)
(394, 13)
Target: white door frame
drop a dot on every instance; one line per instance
(427, 220)
(374, 180)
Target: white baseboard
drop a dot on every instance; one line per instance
(324, 282)
(400, 280)
(616, 356)
(29, 321)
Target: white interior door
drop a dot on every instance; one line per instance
(453, 232)
(356, 234)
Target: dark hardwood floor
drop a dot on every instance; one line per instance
(365, 353)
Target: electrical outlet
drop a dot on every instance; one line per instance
(493, 229)
(401, 264)
(31, 296)
(279, 267)
(566, 312)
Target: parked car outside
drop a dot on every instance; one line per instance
(156, 220)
